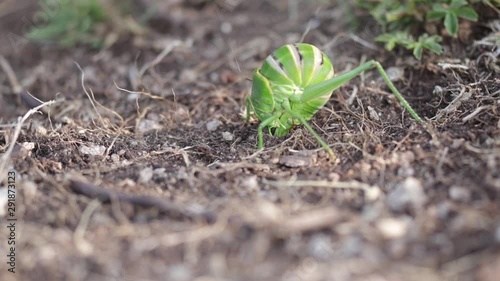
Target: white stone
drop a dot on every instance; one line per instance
(408, 194)
(250, 183)
(146, 175)
(226, 27)
(92, 150)
(392, 228)
(459, 193)
(28, 145)
(41, 130)
(395, 73)
(29, 188)
(212, 125)
(227, 136)
(147, 125)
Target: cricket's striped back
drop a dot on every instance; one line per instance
(298, 64)
(282, 79)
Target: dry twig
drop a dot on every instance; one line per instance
(310, 221)
(4, 160)
(163, 205)
(14, 83)
(371, 192)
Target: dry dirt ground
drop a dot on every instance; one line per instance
(144, 169)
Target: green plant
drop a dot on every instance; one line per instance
(73, 22)
(450, 13)
(401, 20)
(294, 82)
(404, 39)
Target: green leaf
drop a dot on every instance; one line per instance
(387, 39)
(384, 37)
(417, 52)
(435, 15)
(393, 39)
(431, 43)
(434, 47)
(398, 13)
(73, 23)
(437, 12)
(440, 8)
(467, 13)
(451, 23)
(426, 42)
(457, 3)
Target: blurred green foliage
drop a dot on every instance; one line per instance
(71, 22)
(401, 20)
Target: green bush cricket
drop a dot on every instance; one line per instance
(296, 81)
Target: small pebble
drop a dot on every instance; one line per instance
(92, 150)
(115, 158)
(227, 136)
(352, 246)
(40, 130)
(180, 272)
(160, 173)
(392, 228)
(212, 125)
(146, 175)
(333, 177)
(395, 73)
(226, 27)
(250, 183)
(294, 161)
(188, 75)
(457, 143)
(298, 159)
(29, 190)
(269, 212)
(373, 114)
(146, 125)
(27, 148)
(372, 193)
(408, 194)
(437, 90)
(320, 247)
(459, 194)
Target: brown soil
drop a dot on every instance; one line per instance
(117, 185)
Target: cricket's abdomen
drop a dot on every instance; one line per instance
(284, 75)
(299, 65)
